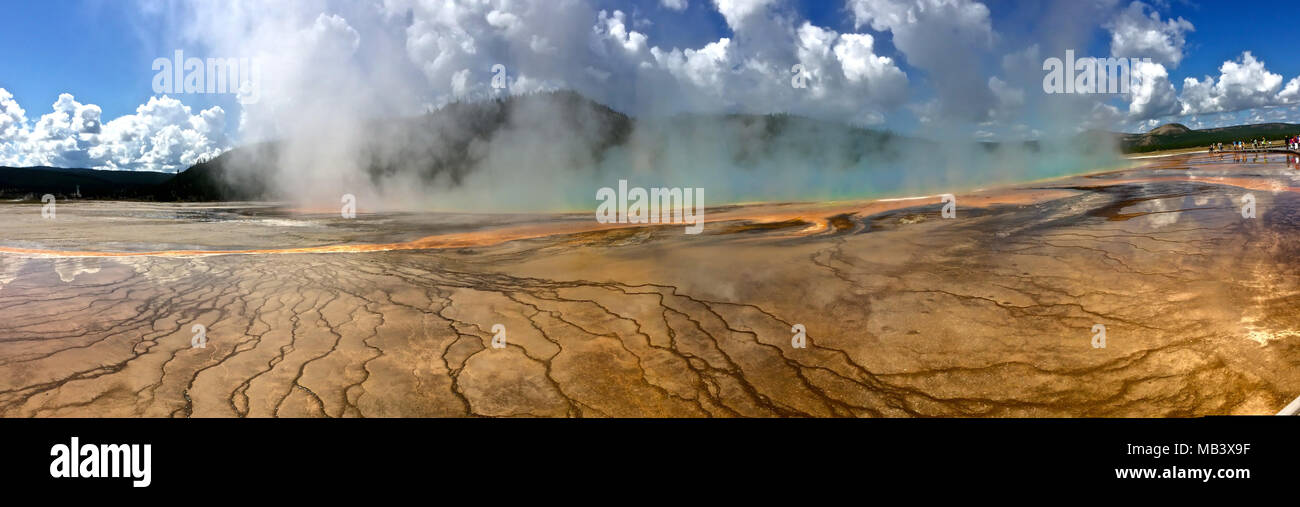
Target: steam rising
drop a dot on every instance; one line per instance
(350, 112)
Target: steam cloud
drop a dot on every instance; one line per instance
(346, 88)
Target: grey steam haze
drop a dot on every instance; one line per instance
(392, 102)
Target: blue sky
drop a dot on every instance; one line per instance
(97, 51)
(936, 67)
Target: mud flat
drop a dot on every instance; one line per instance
(988, 314)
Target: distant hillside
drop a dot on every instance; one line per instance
(1169, 129)
(1174, 136)
(448, 144)
(19, 182)
(214, 180)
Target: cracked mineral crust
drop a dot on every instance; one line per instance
(988, 314)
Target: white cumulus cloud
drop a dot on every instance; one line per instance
(1242, 84)
(601, 54)
(162, 135)
(1154, 96)
(676, 5)
(1138, 32)
(737, 12)
(947, 39)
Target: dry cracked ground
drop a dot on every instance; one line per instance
(989, 314)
